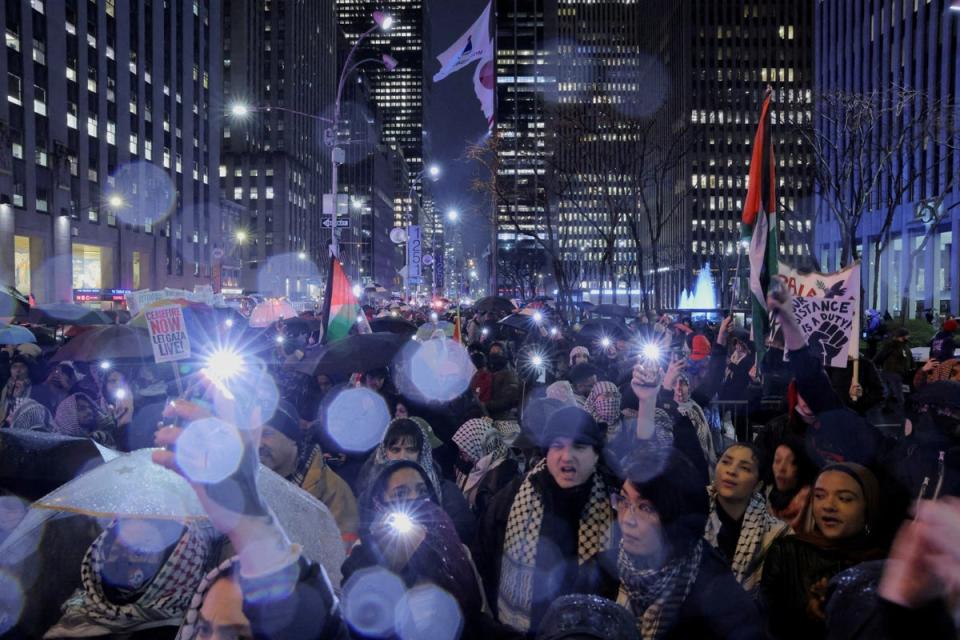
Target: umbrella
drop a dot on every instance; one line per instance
(427, 329)
(612, 310)
(132, 486)
(398, 326)
(15, 334)
(12, 303)
(353, 354)
(33, 463)
(494, 303)
(519, 321)
(116, 342)
(60, 313)
(302, 325)
(593, 330)
(269, 311)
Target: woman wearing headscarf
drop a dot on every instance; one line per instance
(541, 532)
(739, 525)
(484, 465)
(404, 529)
(79, 416)
(690, 410)
(138, 575)
(603, 404)
(676, 584)
(30, 415)
(845, 509)
(405, 439)
(793, 473)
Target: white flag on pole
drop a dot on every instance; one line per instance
(475, 45)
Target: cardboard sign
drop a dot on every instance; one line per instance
(843, 284)
(828, 324)
(168, 333)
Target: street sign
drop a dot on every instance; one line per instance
(343, 204)
(341, 222)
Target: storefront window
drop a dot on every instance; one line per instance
(941, 269)
(918, 277)
(21, 264)
(892, 258)
(136, 270)
(87, 267)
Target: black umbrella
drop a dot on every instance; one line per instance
(494, 303)
(398, 326)
(34, 463)
(115, 342)
(13, 303)
(64, 313)
(519, 321)
(612, 311)
(593, 330)
(353, 354)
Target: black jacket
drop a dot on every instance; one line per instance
(717, 608)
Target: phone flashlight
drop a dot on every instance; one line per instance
(400, 522)
(120, 394)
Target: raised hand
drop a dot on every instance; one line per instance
(828, 340)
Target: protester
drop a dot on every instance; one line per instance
(404, 439)
(845, 510)
(504, 385)
(739, 526)
(482, 382)
(788, 495)
(116, 397)
(603, 404)
(541, 531)
(18, 387)
(671, 579)
(895, 357)
(582, 377)
(79, 416)
(484, 464)
(579, 355)
(690, 410)
(942, 365)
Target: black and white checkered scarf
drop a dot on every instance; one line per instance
(518, 567)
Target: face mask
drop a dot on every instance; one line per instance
(497, 362)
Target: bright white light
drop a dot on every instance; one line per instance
(120, 394)
(302, 255)
(223, 364)
(115, 200)
(453, 215)
(360, 318)
(280, 339)
(485, 331)
(536, 360)
(240, 110)
(241, 236)
(605, 342)
(433, 316)
(537, 317)
(554, 331)
(651, 351)
(228, 323)
(105, 365)
(400, 522)
(357, 290)
(434, 171)
(394, 314)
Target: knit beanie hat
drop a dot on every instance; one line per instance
(576, 424)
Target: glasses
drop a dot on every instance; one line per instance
(622, 504)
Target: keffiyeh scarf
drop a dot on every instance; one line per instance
(656, 595)
(424, 459)
(692, 411)
(518, 567)
(757, 533)
(30, 415)
(603, 404)
(188, 630)
(484, 446)
(163, 601)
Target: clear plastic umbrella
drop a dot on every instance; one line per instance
(132, 486)
(14, 334)
(269, 311)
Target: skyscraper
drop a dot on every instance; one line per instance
(279, 63)
(906, 57)
(109, 143)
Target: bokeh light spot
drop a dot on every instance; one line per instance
(370, 600)
(434, 371)
(357, 418)
(142, 192)
(11, 601)
(427, 611)
(209, 450)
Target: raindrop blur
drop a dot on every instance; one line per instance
(147, 536)
(648, 73)
(357, 418)
(286, 275)
(142, 192)
(370, 600)
(11, 601)
(209, 450)
(434, 370)
(428, 611)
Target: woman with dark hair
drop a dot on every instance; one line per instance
(404, 529)
(793, 473)
(739, 526)
(116, 397)
(845, 508)
(405, 439)
(675, 584)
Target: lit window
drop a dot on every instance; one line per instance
(133, 143)
(13, 40)
(111, 133)
(37, 5)
(39, 52)
(41, 157)
(148, 149)
(14, 89)
(92, 126)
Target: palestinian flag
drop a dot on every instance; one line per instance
(760, 222)
(341, 309)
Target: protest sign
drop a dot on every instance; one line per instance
(168, 333)
(843, 285)
(828, 325)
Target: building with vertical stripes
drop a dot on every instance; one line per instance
(109, 146)
(881, 48)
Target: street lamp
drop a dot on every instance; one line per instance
(434, 171)
(453, 215)
(302, 255)
(115, 201)
(241, 236)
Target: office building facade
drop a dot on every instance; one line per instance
(279, 60)
(109, 143)
(882, 47)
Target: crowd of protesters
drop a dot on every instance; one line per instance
(661, 481)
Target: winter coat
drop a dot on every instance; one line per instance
(895, 357)
(504, 394)
(795, 578)
(716, 608)
(325, 485)
(495, 480)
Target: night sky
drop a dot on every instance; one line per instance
(453, 119)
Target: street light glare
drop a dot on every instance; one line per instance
(434, 171)
(115, 201)
(453, 215)
(302, 255)
(240, 110)
(241, 237)
(383, 20)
